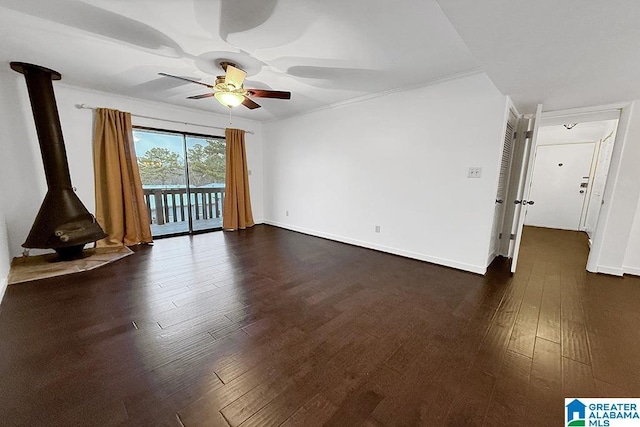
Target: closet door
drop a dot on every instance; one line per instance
(503, 184)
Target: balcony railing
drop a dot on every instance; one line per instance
(168, 205)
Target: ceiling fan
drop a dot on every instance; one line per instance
(229, 90)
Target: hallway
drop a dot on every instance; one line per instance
(589, 321)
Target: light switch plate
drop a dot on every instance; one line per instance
(474, 172)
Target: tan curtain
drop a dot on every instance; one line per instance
(120, 207)
(236, 213)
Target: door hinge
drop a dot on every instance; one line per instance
(528, 134)
(512, 236)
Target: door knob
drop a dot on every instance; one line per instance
(581, 191)
(499, 200)
(528, 202)
(517, 202)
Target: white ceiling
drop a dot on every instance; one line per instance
(562, 53)
(566, 54)
(581, 132)
(324, 52)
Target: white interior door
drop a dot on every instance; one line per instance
(598, 184)
(503, 185)
(559, 185)
(511, 210)
(523, 189)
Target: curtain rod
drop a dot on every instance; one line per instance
(88, 107)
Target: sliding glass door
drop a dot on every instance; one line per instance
(206, 171)
(183, 180)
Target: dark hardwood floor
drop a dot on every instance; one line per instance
(271, 327)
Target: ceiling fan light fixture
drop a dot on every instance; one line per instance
(229, 99)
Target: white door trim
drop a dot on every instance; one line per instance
(595, 254)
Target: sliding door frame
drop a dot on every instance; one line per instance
(184, 136)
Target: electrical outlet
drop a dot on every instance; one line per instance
(377, 228)
(474, 172)
(287, 213)
(249, 172)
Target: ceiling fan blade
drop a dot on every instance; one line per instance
(260, 93)
(234, 76)
(250, 104)
(186, 80)
(204, 95)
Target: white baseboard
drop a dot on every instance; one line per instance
(491, 257)
(3, 287)
(614, 271)
(478, 269)
(631, 270)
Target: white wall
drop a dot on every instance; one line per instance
(399, 161)
(22, 174)
(16, 171)
(616, 240)
(5, 258)
(632, 257)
